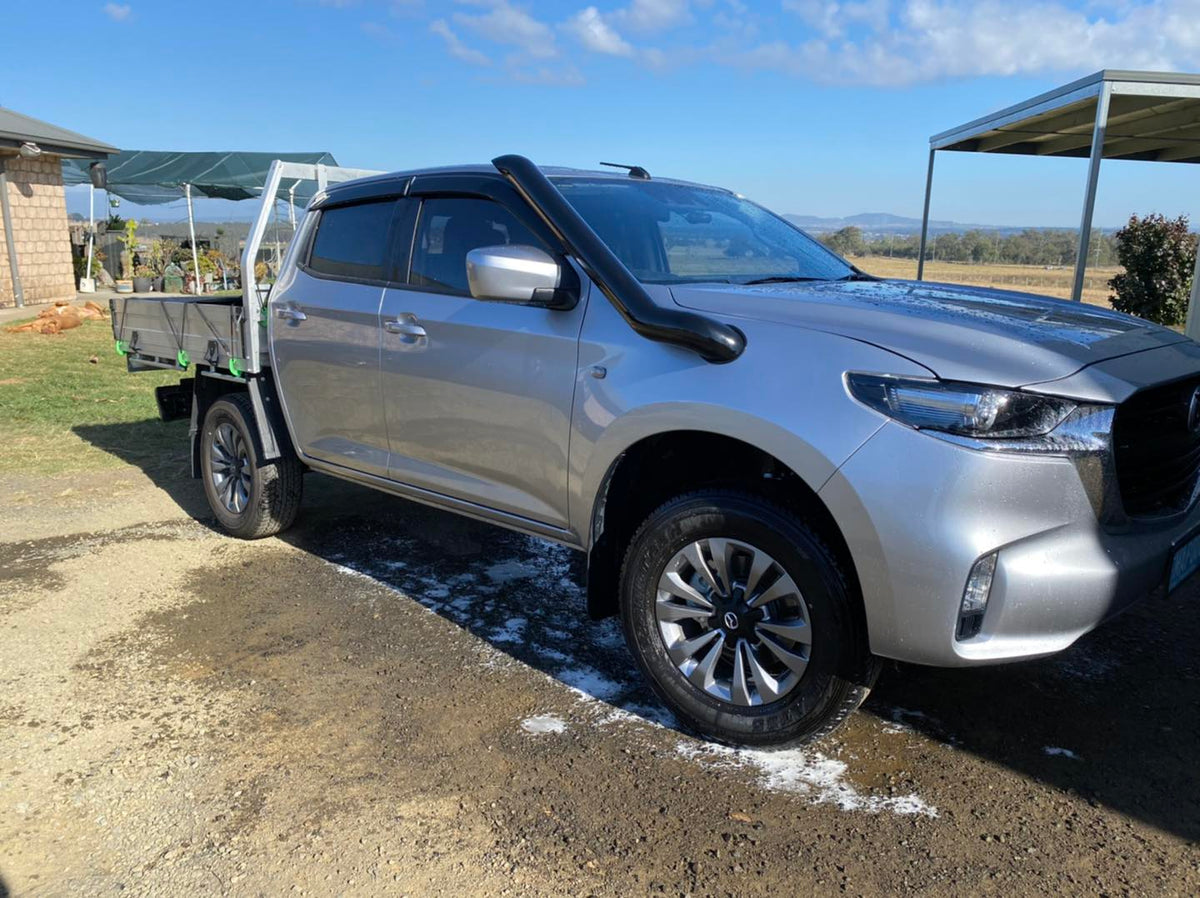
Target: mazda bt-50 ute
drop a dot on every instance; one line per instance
(781, 469)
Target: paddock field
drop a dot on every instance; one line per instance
(1026, 278)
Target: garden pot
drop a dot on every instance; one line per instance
(141, 285)
(124, 286)
(158, 284)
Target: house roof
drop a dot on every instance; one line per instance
(16, 129)
(1152, 116)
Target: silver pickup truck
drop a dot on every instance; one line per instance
(782, 470)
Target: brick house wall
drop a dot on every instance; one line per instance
(40, 230)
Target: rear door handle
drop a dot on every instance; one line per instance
(290, 313)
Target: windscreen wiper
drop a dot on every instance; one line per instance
(781, 279)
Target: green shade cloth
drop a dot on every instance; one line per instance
(150, 177)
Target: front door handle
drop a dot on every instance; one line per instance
(405, 328)
(412, 335)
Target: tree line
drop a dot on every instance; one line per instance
(1032, 246)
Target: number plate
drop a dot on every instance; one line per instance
(1184, 562)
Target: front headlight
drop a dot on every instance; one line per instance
(962, 409)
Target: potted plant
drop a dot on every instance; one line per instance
(129, 241)
(86, 280)
(160, 255)
(198, 279)
(142, 278)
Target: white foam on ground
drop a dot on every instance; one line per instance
(589, 683)
(508, 571)
(541, 724)
(1054, 750)
(512, 631)
(820, 779)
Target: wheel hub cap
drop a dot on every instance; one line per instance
(733, 621)
(229, 461)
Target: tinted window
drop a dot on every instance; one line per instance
(351, 241)
(451, 227)
(669, 233)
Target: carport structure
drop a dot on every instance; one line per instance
(1147, 116)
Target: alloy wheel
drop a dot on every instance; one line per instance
(733, 621)
(229, 459)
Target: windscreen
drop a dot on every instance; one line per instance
(675, 233)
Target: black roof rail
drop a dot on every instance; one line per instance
(713, 340)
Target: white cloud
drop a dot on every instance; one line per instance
(454, 45)
(118, 12)
(597, 35)
(504, 23)
(834, 19)
(923, 40)
(648, 16)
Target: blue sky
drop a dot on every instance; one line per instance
(809, 106)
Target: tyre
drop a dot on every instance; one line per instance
(742, 621)
(250, 500)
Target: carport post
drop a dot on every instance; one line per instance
(925, 218)
(1192, 327)
(187, 192)
(9, 239)
(1089, 196)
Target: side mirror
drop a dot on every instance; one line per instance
(521, 274)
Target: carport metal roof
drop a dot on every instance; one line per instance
(1148, 116)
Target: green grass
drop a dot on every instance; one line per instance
(61, 412)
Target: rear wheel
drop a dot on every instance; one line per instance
(251, 500)
(741, 619)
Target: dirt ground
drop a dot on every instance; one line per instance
(391, 700)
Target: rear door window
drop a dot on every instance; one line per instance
(352, 241)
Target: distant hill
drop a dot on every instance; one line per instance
(883, 223)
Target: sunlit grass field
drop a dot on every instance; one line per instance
(60, 411)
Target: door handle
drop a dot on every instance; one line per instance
(290, 313)
(409, 328)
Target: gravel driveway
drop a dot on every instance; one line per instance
(392, 700)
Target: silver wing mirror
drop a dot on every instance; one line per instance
(521, 274)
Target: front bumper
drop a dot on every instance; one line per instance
(917, 512)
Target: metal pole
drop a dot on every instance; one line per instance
(187, 192)
(6, 213)
(292, 206)
(1192, 327)
(87, 272)
(925, 218)
(1089, 196)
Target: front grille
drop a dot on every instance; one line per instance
(1157, 453)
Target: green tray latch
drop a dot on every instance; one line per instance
(122, 347)
(182, 359)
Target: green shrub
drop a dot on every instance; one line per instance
(1158, 255)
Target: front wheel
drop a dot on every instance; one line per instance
(740, 617)
(250, 500)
